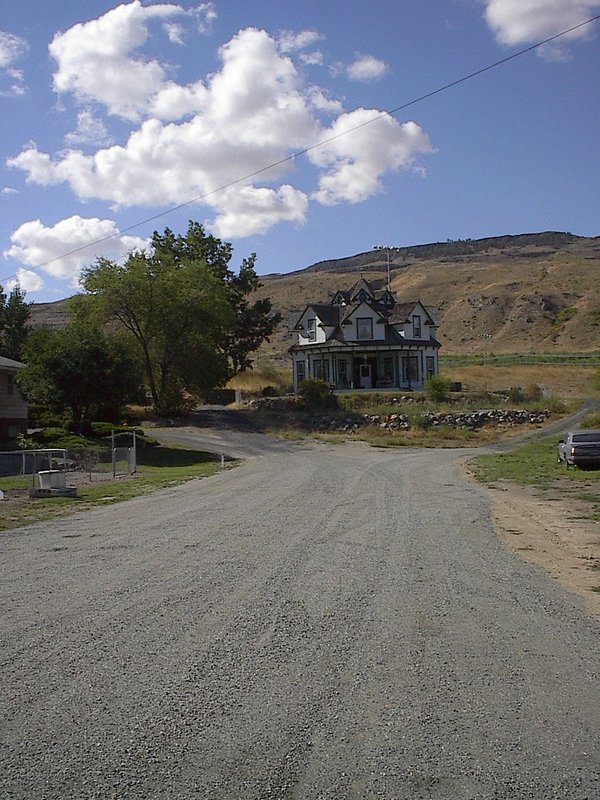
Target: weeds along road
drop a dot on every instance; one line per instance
(335, 622)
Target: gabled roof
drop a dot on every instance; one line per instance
(328, 314)
(402, 311)
(349, 311)
(361, 285)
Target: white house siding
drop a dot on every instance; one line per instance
(363, 312)
(411, 331)
(320, 332)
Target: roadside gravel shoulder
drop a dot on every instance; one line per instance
(543, 529)
(558, 537)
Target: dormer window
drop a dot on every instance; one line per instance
(416, 321)
(364, 328)
(311, 329)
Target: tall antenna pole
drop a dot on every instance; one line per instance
(388, 268)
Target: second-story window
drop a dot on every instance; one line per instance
(311, 329)
(416, 326)
(364, 328)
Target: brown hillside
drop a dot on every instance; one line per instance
(520, 294)
(510, 294)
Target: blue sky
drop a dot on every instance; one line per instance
(115, 114)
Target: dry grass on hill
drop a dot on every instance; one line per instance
(517, 300)
(528, 294)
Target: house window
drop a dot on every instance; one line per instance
(311, 329)
(388, 369)
(430, 366)
(410, 369)
(318, 368)
(326, 369)
(416, 320)
(342, 372)
(300, 372)
(364, 328)
(10, 384)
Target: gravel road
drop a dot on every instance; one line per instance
(326, 622)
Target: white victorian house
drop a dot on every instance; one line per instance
(364, 339)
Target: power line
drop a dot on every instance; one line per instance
(312, 147)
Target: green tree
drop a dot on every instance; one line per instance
(81, 370)
(14, 315)
(186, 310)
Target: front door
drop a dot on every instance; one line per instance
(366, 381)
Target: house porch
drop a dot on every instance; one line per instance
(366, 370)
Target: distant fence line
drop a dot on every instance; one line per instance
(512, 359)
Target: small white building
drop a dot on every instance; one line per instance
(364, 339)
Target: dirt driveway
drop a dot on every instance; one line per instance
(537, 527)
(325, 623)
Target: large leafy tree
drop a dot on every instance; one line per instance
(81, 370)
(14, 316)
(187, 311)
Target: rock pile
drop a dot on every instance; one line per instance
(493, 416)
(471, 420)
(286, 402)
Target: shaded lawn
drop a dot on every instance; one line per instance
(158, 468)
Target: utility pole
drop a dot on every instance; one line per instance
(388, 271)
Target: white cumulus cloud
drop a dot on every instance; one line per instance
(27, 280)
(94, 60)
(206, 14)
(366, 68)
(175, 32)
(355, 163)
(89, 130)
(12, 48)
(43, 247)
(225, 140)
(290, 41)
(516, 22)
(251, 114)
(252, 210)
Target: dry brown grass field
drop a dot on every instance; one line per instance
(568, 382)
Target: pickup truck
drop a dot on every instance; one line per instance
(580, 448)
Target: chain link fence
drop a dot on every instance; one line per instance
(96, 463)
